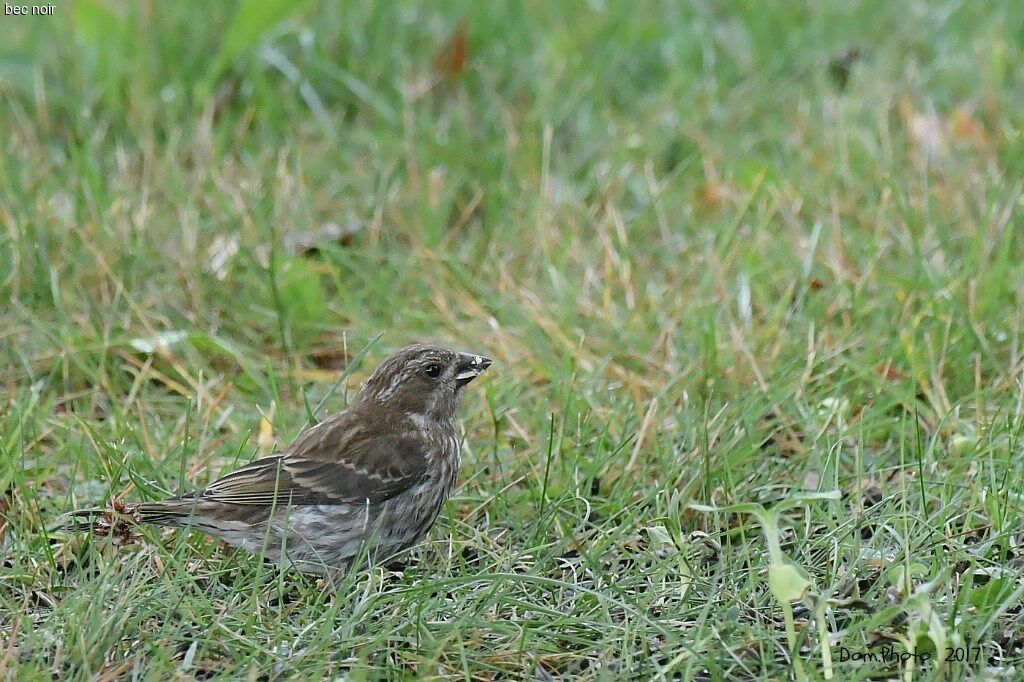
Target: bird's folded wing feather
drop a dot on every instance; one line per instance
(326, 468)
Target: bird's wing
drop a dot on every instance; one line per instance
(332, 463)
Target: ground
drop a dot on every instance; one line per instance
(751, 274)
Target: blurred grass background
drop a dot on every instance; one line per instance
(721, 254)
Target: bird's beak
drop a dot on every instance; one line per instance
(470, 367)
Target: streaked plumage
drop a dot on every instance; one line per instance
(376, 474)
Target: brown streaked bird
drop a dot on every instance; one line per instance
(373, 477)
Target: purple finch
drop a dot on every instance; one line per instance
(372, 478)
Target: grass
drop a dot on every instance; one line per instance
(728, 259)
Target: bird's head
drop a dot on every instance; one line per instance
(423, 380)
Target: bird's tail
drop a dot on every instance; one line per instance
(121, 516)
(118, 518)
(80, 520)
(173, 512)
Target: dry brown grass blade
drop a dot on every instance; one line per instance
(450, 59)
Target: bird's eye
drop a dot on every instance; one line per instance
(433, 370)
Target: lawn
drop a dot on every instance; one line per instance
(751, 274)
